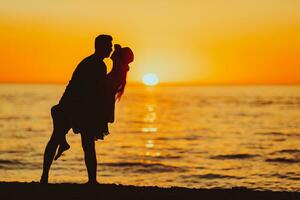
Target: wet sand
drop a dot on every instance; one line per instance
(34, 190)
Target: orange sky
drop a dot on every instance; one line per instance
(204, 41)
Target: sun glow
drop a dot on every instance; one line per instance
(150, 79)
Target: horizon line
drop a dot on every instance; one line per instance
(133, 83)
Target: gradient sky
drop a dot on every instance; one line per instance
(204, 41)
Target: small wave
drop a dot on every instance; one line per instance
(32, 130)
(290, 151)
(166, 138)
(271, 133)
(262, 102)
(191, 137)
(16, 164)
(13, 152)
(170, 157)
(283, 160)
(211, 176)
(241, 114)
(293, 134)
(144, 167)
(188, 137)
(15, 118)
(128, 132)
(289, 176)
(161, 157)
(279, 134)
(10, 118)
(134, 122)
(10, 164)
(234, 156)
(279, 139)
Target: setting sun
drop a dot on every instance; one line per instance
(150, 79)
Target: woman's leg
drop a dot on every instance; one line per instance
(60, 128)
(49, 155)
(50, 150)
(88, 145)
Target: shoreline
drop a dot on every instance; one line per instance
(34, 190)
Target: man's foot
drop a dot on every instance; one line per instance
(61, 149)
(44, 180)
(92, 183)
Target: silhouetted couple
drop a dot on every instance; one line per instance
(87, 105)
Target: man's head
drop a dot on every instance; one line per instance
(103, 45)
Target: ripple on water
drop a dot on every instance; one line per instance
(145, 167)
(278, 134)
(234, 156)
(17, 164)
(13, 152)
(271, 133)
(210, 176)
(10, 162)
(15, 118)
(289, 176)
(289, 151)
(283, 160)
(159, 156)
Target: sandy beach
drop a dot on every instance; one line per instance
(33, 190)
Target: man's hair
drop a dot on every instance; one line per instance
(102, 40)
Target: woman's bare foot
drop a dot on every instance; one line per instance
(61, 149)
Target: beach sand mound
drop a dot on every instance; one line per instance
(34, 190)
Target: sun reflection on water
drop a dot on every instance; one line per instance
(150, 126)
(150, 144)
(149, 129)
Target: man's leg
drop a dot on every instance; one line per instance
(88, 145)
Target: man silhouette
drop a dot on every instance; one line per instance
(82, 108)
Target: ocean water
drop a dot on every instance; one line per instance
(190, 136)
